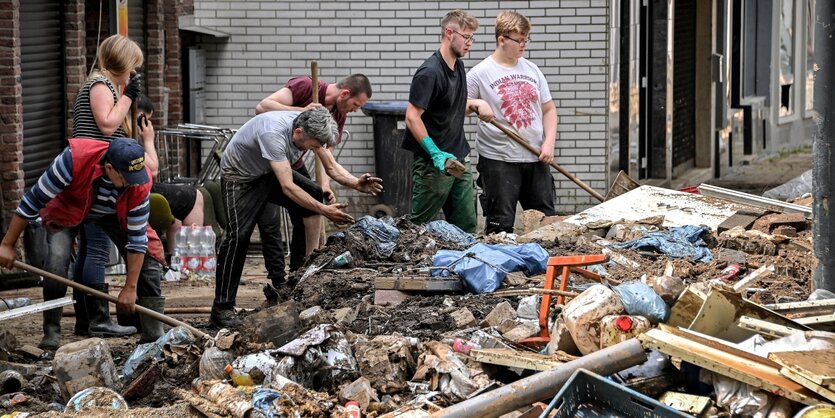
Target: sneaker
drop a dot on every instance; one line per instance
(224, 318)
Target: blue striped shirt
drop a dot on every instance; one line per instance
(59, 175)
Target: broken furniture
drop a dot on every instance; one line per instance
(565, 264)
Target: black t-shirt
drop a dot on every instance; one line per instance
(442, 93)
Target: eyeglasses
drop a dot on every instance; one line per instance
(468, 39)
(523, 42)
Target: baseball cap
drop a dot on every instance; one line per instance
(128, 157)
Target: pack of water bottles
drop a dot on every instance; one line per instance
(194, 253)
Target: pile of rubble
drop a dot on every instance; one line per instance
(692, 305)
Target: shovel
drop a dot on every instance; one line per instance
(165, 319)
(623, 185)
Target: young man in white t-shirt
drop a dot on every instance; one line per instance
(518, 96)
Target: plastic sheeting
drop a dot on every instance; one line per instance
(639, 299)
(680, 242)
(483, 267)
(793, 188)
(145, 353)
(448, 232)
(381, 231)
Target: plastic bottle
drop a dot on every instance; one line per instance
(194, 244)
(731, 271)
(180, 256)
(353, 409)
(210, 260)
(619, 328)
(342, 260)
(460, 346)
(238, 377)
(17, 399)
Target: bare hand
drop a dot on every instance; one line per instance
(146, 129)
(312, 105)
(330, 198)
(334, 213)
(7, 256)
(483, 111)
(368, 184)
(127, 301)
(546, 154)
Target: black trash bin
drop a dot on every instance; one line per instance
(393, 164)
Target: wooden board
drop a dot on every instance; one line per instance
(817, 365)
(728, 361)
(814, 387)
(684, 402)
(511, 358)
(826, 305)
(419, 283)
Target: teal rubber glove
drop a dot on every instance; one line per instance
(438, 157)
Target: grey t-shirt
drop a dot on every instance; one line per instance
(264, 138)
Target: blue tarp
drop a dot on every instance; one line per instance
(681, 242)
(483, 267)
(381, 231)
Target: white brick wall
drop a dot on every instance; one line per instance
(271, 41)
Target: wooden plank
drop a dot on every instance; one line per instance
(737, 219)
(816, 365)
(519, 359)
(814, 387)
(419, 283)
(816, 320)
(815, 305)
(765, 328)
(728, 361)
(758, 274)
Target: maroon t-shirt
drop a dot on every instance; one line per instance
(302, 90)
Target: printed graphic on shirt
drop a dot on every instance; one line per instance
(518, 93)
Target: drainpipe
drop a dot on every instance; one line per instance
(823, 227)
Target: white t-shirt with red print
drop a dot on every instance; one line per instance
(516, 95)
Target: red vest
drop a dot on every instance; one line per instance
(70, 207)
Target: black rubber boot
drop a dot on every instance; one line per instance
(82, 322)
(98, 312)
(224, 318)
(151, 328)
(51, 329)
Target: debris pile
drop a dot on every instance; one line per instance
(690, 304)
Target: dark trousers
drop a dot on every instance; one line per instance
(244, 204)
(504, 184)
(272, 247)
(59, 246)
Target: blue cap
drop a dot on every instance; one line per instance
(128, 157)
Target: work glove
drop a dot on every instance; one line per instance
(438, 157)
(132, 89)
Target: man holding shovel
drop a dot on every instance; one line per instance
(255, 169)
(518, 96)
(435, 128)
(107, 184)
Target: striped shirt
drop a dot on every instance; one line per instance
(59, 175)
(83, 123)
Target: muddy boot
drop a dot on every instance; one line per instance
(224, 318)
(151, 328)
(271, 293)
(98, 312)
(51, 329)
(82, 322)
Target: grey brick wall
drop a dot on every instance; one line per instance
(271, 41)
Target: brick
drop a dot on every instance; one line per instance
(769, 222)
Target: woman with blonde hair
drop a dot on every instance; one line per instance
(102, 112)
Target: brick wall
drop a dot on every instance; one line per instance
(75, 53)
(387, 40)
(173, 61)
(154, 59)
(11, 110)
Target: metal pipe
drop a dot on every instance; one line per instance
(165, 319)
(544, 385)
(823, 171)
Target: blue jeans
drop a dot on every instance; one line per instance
(93, 255)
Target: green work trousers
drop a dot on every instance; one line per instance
(433, 190)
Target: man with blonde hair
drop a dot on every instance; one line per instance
(517, 95)
(435, 127)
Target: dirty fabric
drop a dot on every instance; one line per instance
(381, 231)
(483, 267)
(680, 242)
(639, 299)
